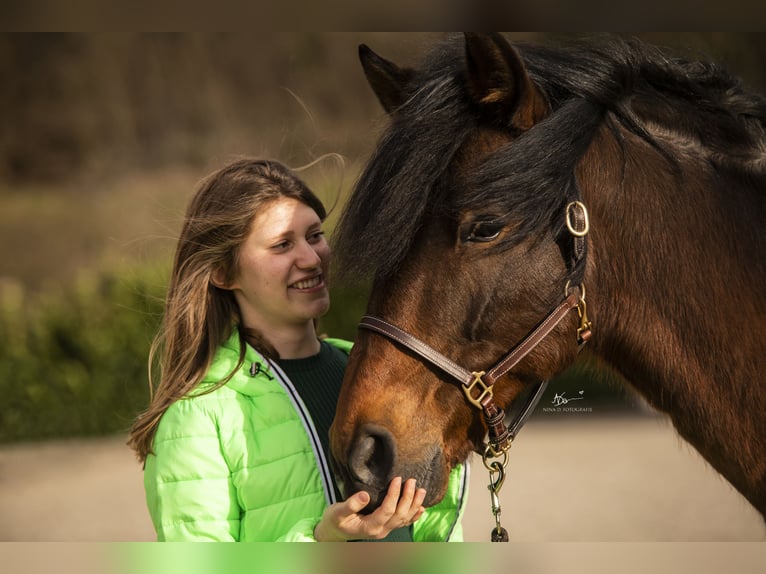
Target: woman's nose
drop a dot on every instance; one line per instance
(308, 256)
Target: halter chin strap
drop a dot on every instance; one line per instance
(478, 386)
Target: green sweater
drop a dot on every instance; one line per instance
(245, 462)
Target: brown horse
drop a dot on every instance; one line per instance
(470, 218)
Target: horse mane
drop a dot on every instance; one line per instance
(624, 82)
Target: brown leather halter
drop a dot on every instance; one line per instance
(478, 385)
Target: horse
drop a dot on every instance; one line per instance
(546, 198)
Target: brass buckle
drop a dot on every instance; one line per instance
(582, 311)
(583, 330)
(570, 226)
(502, 451)
(485, 389)
(585, 324)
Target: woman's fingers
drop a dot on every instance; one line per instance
(417, 503)
(406, 506)
(402, 505)
(389, 503)
(410, 505)
(356, 503)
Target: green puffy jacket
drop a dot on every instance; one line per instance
(244, 463)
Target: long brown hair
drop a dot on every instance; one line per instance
(199, 316)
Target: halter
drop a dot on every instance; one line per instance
(478, 386)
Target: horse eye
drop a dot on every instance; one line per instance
(483, 231)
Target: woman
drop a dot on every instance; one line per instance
(235, 440)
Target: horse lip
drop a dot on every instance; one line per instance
(434, 470)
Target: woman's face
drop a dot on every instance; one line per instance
(281, 274)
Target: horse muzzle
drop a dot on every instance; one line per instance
(373, 461)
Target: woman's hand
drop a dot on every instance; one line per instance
(401, 507)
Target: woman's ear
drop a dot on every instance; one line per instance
(218, 278)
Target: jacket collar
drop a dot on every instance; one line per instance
(250, 377)
(225, 360)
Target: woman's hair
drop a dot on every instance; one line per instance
(199, 316)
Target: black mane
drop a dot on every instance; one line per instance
(583, 81)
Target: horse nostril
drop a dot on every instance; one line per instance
(372, 456)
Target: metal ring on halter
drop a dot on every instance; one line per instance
(490, 453)
(572, 230)
(581, 286)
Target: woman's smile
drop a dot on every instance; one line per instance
(311, 284)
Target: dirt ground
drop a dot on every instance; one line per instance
(570, 478)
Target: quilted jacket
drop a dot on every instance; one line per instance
(244, 462)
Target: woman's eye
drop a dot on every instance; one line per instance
(316, 237)
(483, 231)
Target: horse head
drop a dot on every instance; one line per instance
(447, 220)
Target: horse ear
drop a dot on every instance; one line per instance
(499, 83)
(387, 80)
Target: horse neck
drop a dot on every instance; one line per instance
(675, 284)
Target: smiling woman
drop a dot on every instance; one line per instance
(279, 283)
(236, 436)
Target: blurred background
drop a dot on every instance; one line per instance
(103, 140)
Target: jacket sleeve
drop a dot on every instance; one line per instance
(189, 490)
(303, 531)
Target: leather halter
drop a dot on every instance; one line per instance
(478, 385)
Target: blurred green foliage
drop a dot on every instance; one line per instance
(74, 362)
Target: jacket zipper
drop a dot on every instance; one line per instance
(308, 424)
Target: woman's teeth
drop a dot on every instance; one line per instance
(307, 283)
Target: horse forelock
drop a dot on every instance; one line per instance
(531, 179)
(398, 188)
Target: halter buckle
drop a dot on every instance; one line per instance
(584, 330)
(485, 390)
(585, 221)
